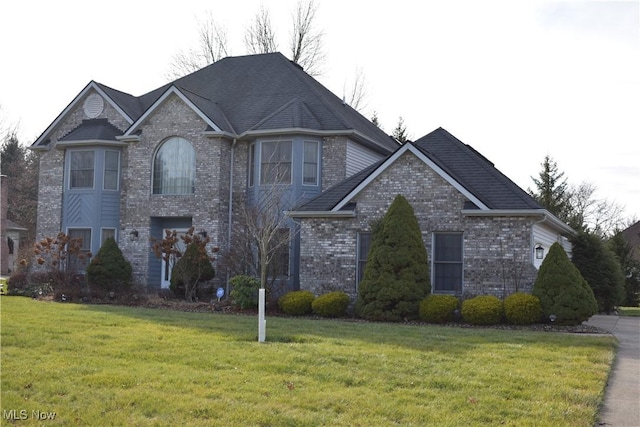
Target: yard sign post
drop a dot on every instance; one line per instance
(262, 322)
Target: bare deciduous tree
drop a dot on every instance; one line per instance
(599, 216)
(259, 36)
(356, 96)
(213, 46)
(306, 41)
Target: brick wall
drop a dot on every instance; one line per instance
(496, 250)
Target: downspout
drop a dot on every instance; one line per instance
(230, 218)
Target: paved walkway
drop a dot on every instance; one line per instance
(622, 397)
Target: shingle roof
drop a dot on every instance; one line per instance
(258, 93)
(93, 129)
(460, 161)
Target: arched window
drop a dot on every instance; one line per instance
(174, 167)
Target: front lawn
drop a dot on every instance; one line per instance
(629, 311)
(106, 365)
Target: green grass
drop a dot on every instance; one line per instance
(629, 311)
(106, 365)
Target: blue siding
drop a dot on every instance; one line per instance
(92, 208)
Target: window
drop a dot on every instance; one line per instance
(81, 171)
(252, 164)
(447, 262)
(174, 168)
(111, 170)
(79, 262)
(310, 164)
(106, 233)
(275, 162)
(364, 243)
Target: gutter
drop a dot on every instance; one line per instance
(321, 214)
(543, 214)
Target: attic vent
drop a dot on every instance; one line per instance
(93, 106)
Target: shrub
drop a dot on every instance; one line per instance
(296, 303)
(333, 304)
(396, 275)
(562, 290)
(438, 308)
(109, 269)
(482, 310)
(244, 291)
(522, 309)
(192, 268)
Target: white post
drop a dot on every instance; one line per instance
(262, 322)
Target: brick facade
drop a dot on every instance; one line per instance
(497, 256)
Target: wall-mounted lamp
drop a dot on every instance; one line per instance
(133, 236)
(203, 234)
(539, 252)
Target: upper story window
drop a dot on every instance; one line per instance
(174, 168)
(310, 163)
(275, 162)
(252, 164)
(111, 170)
(81, 171)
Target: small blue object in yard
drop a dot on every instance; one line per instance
(3, 286)
(220, 293)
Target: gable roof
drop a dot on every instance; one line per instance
(250, 95)
(459, 164)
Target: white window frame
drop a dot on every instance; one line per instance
(277, 142)
(317, 163)
(102, 238)
(104, 171)
(70, 174)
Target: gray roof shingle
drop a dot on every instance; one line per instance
(464, 164)
(93, 129)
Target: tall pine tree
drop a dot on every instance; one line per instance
(552, 190)
(396, 276)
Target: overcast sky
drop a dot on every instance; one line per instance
(517, 80)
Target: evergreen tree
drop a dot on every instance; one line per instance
(630, 269)
(109, 269)
(396, 276)
(21, 168)
(552, 192)
(599, 266)
(562, 290)
(400, 132)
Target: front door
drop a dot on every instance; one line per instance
(165, 280)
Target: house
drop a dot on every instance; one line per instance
(483, 234)
(632, 236)
(197, 151)
(192, 153)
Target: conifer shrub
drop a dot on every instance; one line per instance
(332, 304)
(438, 308)
(396, 275)
(244, 291)
(522, 309)
(562, 290)
(109, 270)
(482, 310)
(601, 269)
(296, 303)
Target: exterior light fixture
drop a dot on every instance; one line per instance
(539, 252)
(133, 236)
(552, 317)
(203, 234)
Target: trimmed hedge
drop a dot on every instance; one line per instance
(438, 308)
(482, 310)
(296, 303)
(244, 291)
(522, 309)
(333, 304)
